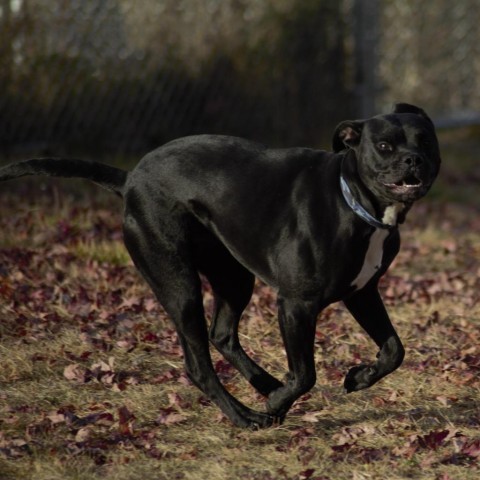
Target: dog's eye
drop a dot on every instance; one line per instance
(384, 147)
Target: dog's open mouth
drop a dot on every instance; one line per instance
(405, 185)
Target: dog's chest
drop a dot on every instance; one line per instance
(373, 259)
(374, 254)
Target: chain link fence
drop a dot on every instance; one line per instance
(429, 54)
(118, 76)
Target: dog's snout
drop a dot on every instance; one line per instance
(413, 160)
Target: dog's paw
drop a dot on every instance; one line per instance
(277, 420)
(278, 403)
(256, 420)
(360, 377)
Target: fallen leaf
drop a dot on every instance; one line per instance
(472, 448)
(310, 417)
(83, 434)
(171, 418)
(56, 417)
(433, 440)
(77, 373)
(125, 421)
(306, 474)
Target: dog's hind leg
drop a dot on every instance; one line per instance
(232, 285)
(297, 320)
(167, 268)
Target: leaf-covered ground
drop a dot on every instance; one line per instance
(92, 383)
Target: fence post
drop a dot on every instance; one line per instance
(365, 38)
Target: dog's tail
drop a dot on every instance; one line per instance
(106, 176)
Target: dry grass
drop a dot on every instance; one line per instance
(70, 296)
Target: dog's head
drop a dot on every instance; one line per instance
(397, 154)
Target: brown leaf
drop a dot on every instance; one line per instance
(56, 417)
(77, 373)
(359, 453)
(177, 401)
(83, 434)
(310, 417)
(170, 417)
(149, 304)
(125, 421)
(99, 418)
(472, 448)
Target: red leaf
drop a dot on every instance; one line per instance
(433, 440)
(361, 454)
(150, 337)
(224, 370)
(306, 474)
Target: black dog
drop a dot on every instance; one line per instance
(318, 227)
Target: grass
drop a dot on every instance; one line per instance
(92, 383)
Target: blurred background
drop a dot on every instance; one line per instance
(121, 77)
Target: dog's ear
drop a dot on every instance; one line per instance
(347, 135)
(407, 108)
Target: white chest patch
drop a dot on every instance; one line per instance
(373, 258)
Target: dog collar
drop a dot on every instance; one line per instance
(358, 209)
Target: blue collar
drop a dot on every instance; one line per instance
(358, 209)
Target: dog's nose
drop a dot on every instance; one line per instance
(413, 160)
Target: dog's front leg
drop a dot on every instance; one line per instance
(297, 319)
(367, 307)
